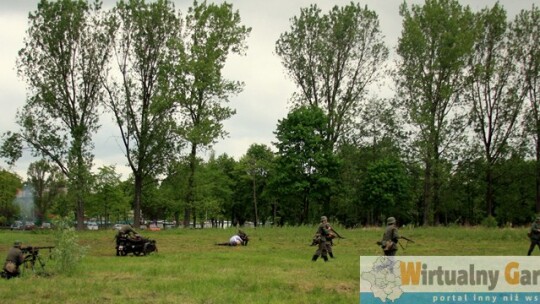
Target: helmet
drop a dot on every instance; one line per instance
(17, 244)
(324, 218)
(391, 220)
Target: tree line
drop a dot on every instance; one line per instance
(458, 142)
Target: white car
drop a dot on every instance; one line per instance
(92, 226)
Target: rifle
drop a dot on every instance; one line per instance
(33, 256)
(337, 234)
(34, 250)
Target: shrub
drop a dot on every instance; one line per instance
(489, 222)
(67, 253)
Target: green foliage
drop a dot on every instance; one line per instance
(67, 254)
(434, 47)
(333, 59)
(386, 190)
(489, 222)
(10, 184)
(60, 116)
(306, 167)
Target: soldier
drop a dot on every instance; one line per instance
(13, 260)
(390, 237)
(534, 235)
(123, 235)
(323, 234)
(126, 231)
(238, 239)
(330, 240)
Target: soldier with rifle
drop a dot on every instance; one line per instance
(391, 238)
(534, 235)
(330, 239)
(322, 235)
(13, 260)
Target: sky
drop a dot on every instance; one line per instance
(267, 90)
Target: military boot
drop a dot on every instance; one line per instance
(325, 258)
(314, 258)
(331, 254)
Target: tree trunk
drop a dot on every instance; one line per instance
(427, 219)
(489, 189)
(255, 202)
(137, 201)
(191, 184)
(537, 166)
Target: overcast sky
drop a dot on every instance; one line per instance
(267, 89)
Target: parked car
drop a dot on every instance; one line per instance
(92, 226)
(17, 225)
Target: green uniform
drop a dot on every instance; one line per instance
(390, 234)
(535, 236)
(323, 249)
(329, 242)
(16, 257)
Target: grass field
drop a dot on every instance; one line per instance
(276, 267)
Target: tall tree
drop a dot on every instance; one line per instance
(142, 106)
(306, 167)
(212, 32)
(434, 46)
(64, 52)
(525, 38)
(47, 184)
(333, 58)
(256, 165)
(492, 90)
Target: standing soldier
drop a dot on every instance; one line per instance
(323, 233)
(390, 237)
(13, 260)
(330, 239)
(534, 235)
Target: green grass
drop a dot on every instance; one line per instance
(276, 267)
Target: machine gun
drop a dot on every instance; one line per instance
(33, 260)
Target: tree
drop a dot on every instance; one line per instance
(10, 184)
(386, 189)
(436, 41)
(306, 167)
(64, 52)
(493, 91)
(142, 105)
(211, 33)
(525, 38)
(333, 59)
(108, 198)
(47, 183)
(256, 165)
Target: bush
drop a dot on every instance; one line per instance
(67, 253)
(489, 222)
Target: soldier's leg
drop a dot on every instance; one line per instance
(324, 251)
(531, 247)
(329, 248)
